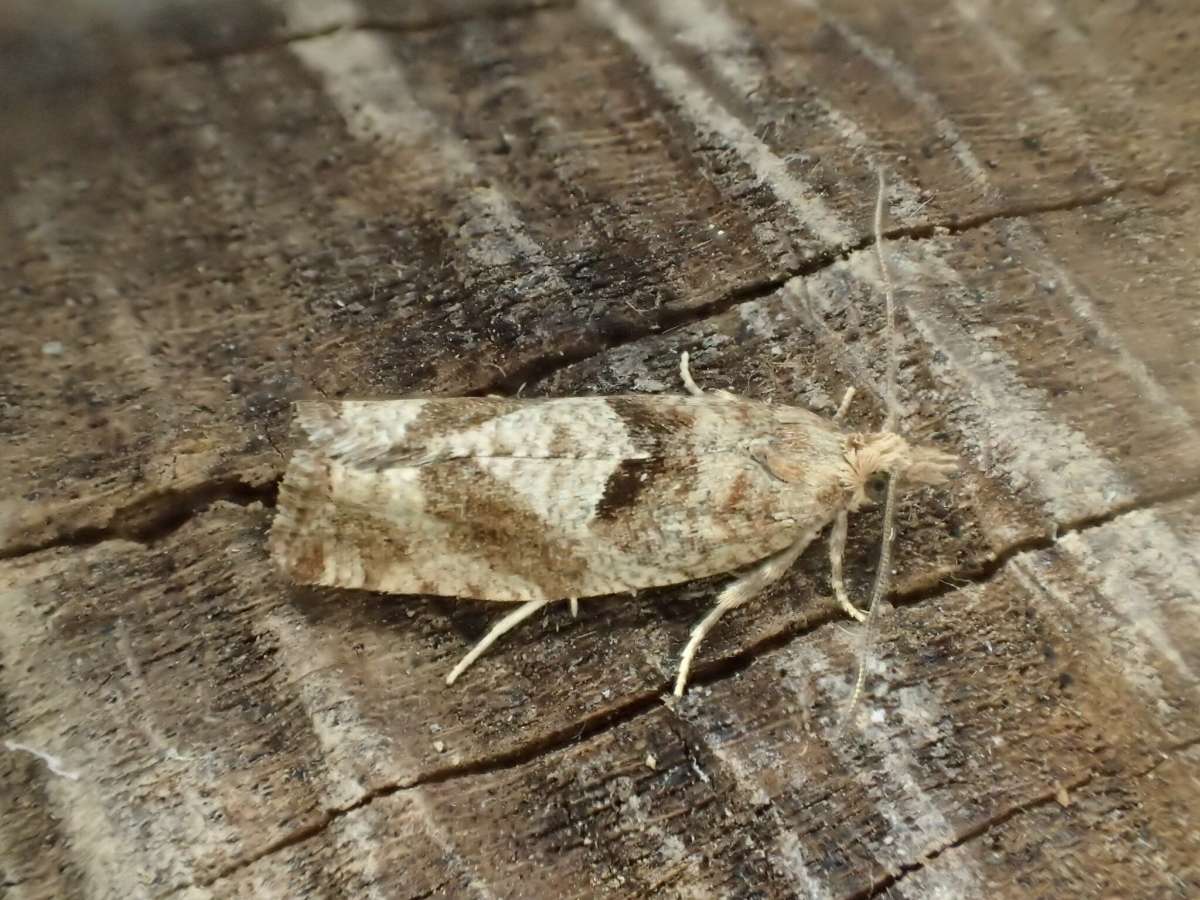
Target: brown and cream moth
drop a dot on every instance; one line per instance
(532, 501)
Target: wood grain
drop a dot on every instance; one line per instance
(210, 211)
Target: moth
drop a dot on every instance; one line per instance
(528, 502)
(532, 501)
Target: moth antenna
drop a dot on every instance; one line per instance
(889, 301)
(884, 568)
(871, 621)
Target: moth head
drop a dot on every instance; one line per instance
(873, 458)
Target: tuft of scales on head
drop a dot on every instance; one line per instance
(882, 454)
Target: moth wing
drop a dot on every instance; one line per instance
(526, 500)
(384, 433)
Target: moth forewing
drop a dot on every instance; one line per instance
(547, 499)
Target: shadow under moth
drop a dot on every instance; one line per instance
(533, 501)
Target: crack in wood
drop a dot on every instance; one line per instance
(885, 883)
(570, 735)
(983, 570)
(979, 829)
(618, 333)
(615, 332)
(154, 516)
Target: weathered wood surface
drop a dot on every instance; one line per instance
(211, 209)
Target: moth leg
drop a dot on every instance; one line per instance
(574, 601)
(685, 375)
(737, 592)
(513, 619)
(837, 551)
(689, 383)
(844, 408)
